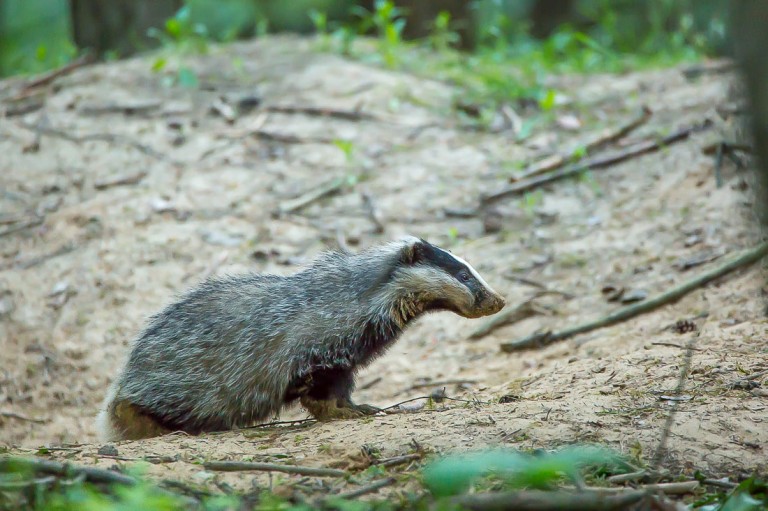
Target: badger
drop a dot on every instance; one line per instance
(235, 350)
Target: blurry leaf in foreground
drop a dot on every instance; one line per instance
(454, 474)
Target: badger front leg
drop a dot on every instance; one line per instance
(329, 396)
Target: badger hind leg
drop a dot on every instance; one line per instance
(329, 396)
(122, 420)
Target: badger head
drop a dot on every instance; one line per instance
(428, 278)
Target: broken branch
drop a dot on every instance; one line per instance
(592, 164)
(242, 466)
(542, 339)
(605, 138)
(364, 490)
(549, 500)
(317, 193)
(91, 474)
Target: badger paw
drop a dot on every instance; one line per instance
(335, 409)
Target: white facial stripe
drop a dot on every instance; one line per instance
(471, 269)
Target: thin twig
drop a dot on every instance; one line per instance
(673, 345)
(121, 180)
(373, 213)
(676, 488)
(370, 384)
(591, 164)
(329, 187)
(720, 484)
(20, 485)
(605, 138)
(349, 115)
(20, 226)
(102, 137)
(397, 460)
(541, 339)
(364, 490)
(14, 415)
(243, 466)
(530, 500)
(50, 76)
(91, 474)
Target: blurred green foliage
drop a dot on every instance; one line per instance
(601, 35)
(34, 36)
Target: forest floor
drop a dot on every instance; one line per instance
(125, 189)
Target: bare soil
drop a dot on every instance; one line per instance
(200, 199)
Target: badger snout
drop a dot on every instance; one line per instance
(485, 305)
(492, 304)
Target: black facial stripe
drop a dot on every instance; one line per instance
(443, 259)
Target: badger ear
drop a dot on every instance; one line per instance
(413, 250)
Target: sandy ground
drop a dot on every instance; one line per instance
(200, 199)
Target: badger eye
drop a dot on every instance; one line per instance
(464, 276)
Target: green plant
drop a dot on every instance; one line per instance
(455, 474)
(182, 34)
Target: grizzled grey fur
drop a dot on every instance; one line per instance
(235, 350)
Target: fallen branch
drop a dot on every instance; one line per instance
(243, 466)
(364, 490)
(24, 224)
(373, 213)
(50, 76)
(91, 474)
(14, 415)
(397, 460)
(507, 317)
(101, 137)
(541, 339)
(605, 138)
(592, 164)
(122, 180)
(349, 115)
(315, 194)
(676, 488)
(535, 500)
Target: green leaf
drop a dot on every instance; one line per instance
(548, 101)
(159, 64)
(188, 78)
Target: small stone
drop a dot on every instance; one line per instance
(107, 450)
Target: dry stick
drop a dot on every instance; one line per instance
(364, 490)
(91, 474)
(14, 415)
(322, 190)
(438, 383)
(122, 180)
(373, 213)
(20, 485)
(676, 488)
(507, 317)
(50, 76)
(530, 500)
(102, 137)
(545, 338)
(605, 138)
(591, 164)
(241, 466)
(349, 115)
(397, 460)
